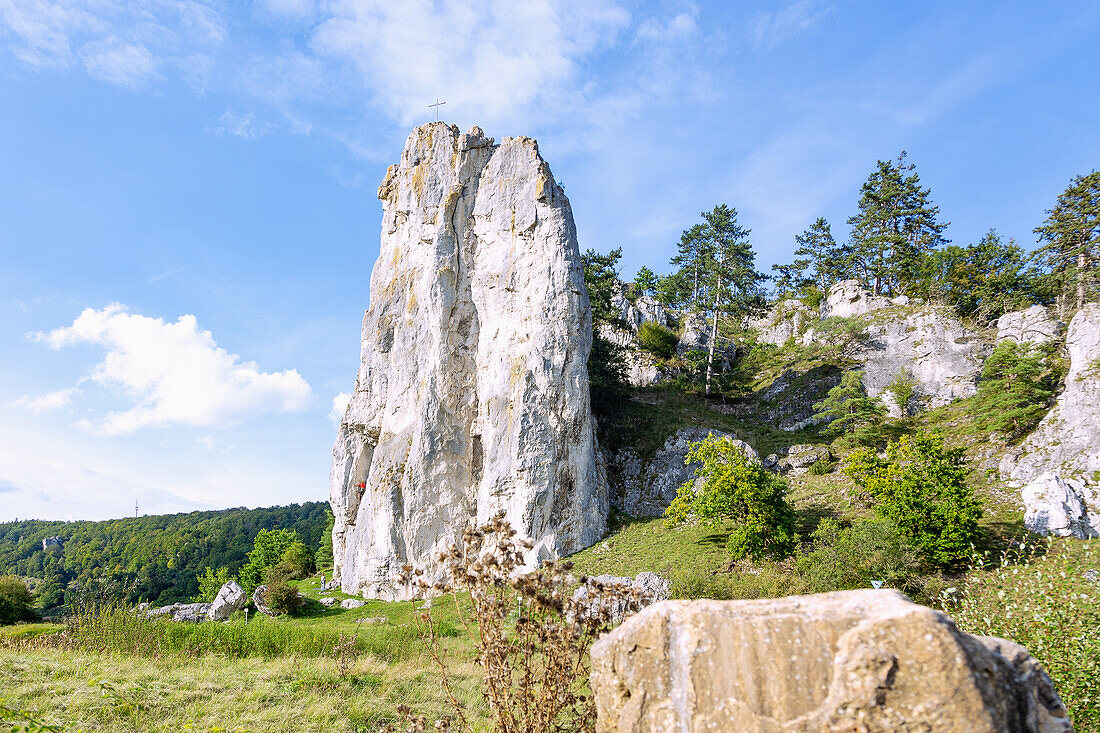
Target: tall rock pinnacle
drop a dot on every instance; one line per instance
(472, 394)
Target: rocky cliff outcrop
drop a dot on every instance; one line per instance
(870, 661)
(1036, 325)
(1067, 441)
(472, 393)
(788, 319)
(930, 346)
(644, 487)
(1061, 507)
(848, 298)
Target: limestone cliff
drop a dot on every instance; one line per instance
(1067, 441)
(472, 393)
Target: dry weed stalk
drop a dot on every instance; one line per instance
(345, 653)
(532, 637)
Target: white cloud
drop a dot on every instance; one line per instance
(123, 64)
(485, 59)
(120, 43)
(339, 407)
(47, 402)
(768, 29)
(678, 27)
(175, 373)
(241, 125)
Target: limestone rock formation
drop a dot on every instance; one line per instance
(643, 309)
(1067, 441)
(788, 319)
(1035, 325)
(1061, 507)
(645, 488)
(641, 367)
(472, 393)
(230, 598)
(695, 333)
(189, 612)
(799, 458)
(868, 660)
(848, 298)
(931, 346)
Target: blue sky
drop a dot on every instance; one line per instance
(188, 216)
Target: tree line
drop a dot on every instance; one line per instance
(896, 246)
(159, 559)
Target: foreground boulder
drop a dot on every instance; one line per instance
(1067, 441)
(645, 488)
(1061, 507)
(230, 598)
(870, 661)
(472, 395)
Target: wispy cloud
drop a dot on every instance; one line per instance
(768, 29)
(485, 59)
(175, 373)
(128, 65)
(243, 125)
(47, 402)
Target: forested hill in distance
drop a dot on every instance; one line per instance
(152, 558)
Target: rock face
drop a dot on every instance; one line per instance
(931, 346)
(1061, 507)
(848, 298)
(788, 319)
(1032, 325)
(472, 393)
(646, 488)
(799, 458)
(230, 598)
(1067, 441)
(850, 661)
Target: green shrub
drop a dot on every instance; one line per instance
(735, 489)
(903, 388)
(299, 559)
(283, 599)
(1045, 604)
(921, 487)
(846, 558)
(821, 467)
(16, 601)
(658, 340)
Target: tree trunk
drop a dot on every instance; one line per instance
(713, 332)
(1082, 264)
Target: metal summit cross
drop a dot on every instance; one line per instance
(437, 105)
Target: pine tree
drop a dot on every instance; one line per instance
(645, 282)
(1071, 233)
(606, 361)
(895, 230)
(1015, 390)
(694, 258)
(849, 408)
(821, 252)
(731, 279)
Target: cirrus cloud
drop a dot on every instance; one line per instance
(174, 372)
